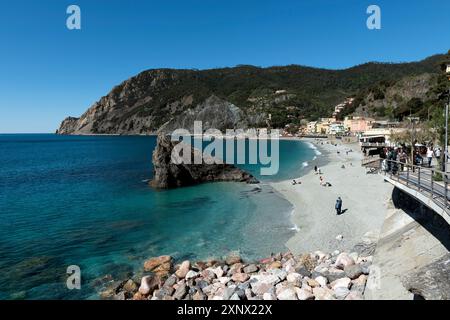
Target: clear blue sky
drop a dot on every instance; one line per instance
(48, 72)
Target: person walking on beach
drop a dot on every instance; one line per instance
(338, 206)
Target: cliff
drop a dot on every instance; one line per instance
(240, 97)
(168, 172)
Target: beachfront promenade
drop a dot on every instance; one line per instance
(428, 185)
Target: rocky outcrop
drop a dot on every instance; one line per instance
(169, 172)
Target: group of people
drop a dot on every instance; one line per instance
(401, 157)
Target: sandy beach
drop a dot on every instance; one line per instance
(365, 200)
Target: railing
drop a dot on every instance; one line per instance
(430, 182)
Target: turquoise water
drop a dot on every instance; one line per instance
(68, 200)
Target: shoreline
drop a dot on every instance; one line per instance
(365, 199)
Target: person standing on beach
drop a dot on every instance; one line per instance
(338, 206)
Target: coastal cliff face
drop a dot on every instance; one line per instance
(169, 173)
(240, 97)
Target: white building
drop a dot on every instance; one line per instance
(312, 127)
(336, 128)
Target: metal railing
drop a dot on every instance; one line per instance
(430, 182)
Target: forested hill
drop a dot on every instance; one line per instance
(241, 96)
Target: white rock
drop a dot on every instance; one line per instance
(320, 255)
(191, 274)
(269, 296)
(354, 296)
(287, 294)
(323, 294)
(224, 280)
(341, 293)
(145, 285)
(294, 277)
(303, 294)
(340, 237)
(343, 260)
(335, 252)
(217, 271)
(341, 283)
(322, 281)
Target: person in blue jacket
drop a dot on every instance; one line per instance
(338, 206)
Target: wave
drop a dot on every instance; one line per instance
(313, 147)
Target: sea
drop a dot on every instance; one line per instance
(85, 201)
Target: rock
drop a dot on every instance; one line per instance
(199, 295)
(334, 274)
(180, 292)
(341, 283)
(169, 170)
(148, 284)
(163, 292)
(218, 271)
(240, 277)
(130, 286)
(294, 278)
(233, 258)
(303, 271)
(353, 271)
(224, 280)
(154, 263)
(341, 293)
(120, 296)
(323, 294)
(281, 274)
(287, 294)
(354, 296)
(303, 294)
(191, 275)
(170, 281)
(275, 265)
(138, 296)
(269, 296)
(431, 282)
(322, 281)
(313, 283)
(235, 296)
(228, 292)
(250, 268)
(263, 283)
(340, 237)
(235, 268)
(308, 261)
(343, 260)
(320, 256)
(183, 269)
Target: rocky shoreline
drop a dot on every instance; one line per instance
(310, 276)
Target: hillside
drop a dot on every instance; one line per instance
(233, 97)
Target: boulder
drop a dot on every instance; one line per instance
(240, 277)
(233, 258)
(170, 171)
(180, 292)
(148, 284)
(353, 271)
(322, 281)
(250, 268)
(343, 260)
(183, 269)
(341, 283)
(159, 265)
(191, 275)
(303, 294)
(287, 293)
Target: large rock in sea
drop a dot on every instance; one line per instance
(172, 174)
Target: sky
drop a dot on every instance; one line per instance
(48, 72)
